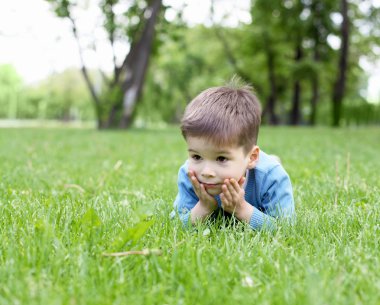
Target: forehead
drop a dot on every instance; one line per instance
(203, 145)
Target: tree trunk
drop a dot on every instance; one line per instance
(86, 77)
(339, 86)
(124, 89)
(295, 114)
(136, 66)
(314, 100)
(272, 98)
(270, 107)
(315, 10)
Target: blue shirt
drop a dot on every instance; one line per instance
(267, 188)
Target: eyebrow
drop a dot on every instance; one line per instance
(222, 152)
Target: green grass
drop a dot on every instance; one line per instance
(67, 196)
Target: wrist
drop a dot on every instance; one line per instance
(208, 206)
(245, 212)
(201, 211)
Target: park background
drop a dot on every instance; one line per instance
(310, 62)
(91, 94)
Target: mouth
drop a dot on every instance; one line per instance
(211, 185)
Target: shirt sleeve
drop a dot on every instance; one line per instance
(186, 198)
(276, 196)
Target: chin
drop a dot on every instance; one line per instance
(214, 191)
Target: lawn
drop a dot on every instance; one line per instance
(67, 196)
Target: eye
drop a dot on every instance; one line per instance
(196, 157)
(221, 159)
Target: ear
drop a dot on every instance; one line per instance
(253, 157)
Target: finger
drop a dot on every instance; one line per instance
(226, 193)
(235, 185)
(195, 183)
(223, 200)
(222, 197)
(194, 179)
(226, 205)
(192, 174)
(204, 192)
(203, 189)
(231, 187)
(241, 181)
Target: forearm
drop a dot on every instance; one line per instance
(255, 218)
(200, 212)
(260, 221)
(244, 214)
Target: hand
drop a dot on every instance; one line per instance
(207, 201)
(233, 200)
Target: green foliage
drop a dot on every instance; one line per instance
(62, 96)
(305, 70)
(124, 22)
(62, 7)
(11, 86)
(180, 71)
(131, 236)
(182, 68)
(59, 214)
(110, 96)
(358, 112)
(185, 60)
(90, 219)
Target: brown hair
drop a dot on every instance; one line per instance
(226, 115)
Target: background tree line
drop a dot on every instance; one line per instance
(302, 57)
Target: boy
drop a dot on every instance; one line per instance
(226, 171)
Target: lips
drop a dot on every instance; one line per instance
(210, 185)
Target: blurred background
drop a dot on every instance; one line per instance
(121, 63)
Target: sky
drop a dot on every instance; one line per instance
(37, 43)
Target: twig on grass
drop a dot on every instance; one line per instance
(75, 186)
(116, 167)
(145, 252)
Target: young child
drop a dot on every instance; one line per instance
(226, 171)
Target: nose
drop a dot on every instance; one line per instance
(207, 172)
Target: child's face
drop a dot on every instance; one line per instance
(212, 164)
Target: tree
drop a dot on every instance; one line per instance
(62, 96)
(308, 22)
(10, 87)
(249, 34)
(317, 34)
(180, 70)
(339, 86)
(116, 101)
(265, 39)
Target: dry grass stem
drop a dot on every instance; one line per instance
(75, 186)
(145, 252)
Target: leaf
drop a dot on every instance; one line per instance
(91, 219)
(132, 235)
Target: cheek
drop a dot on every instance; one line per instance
(236, 172)
(193, 167)
(227, 173)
